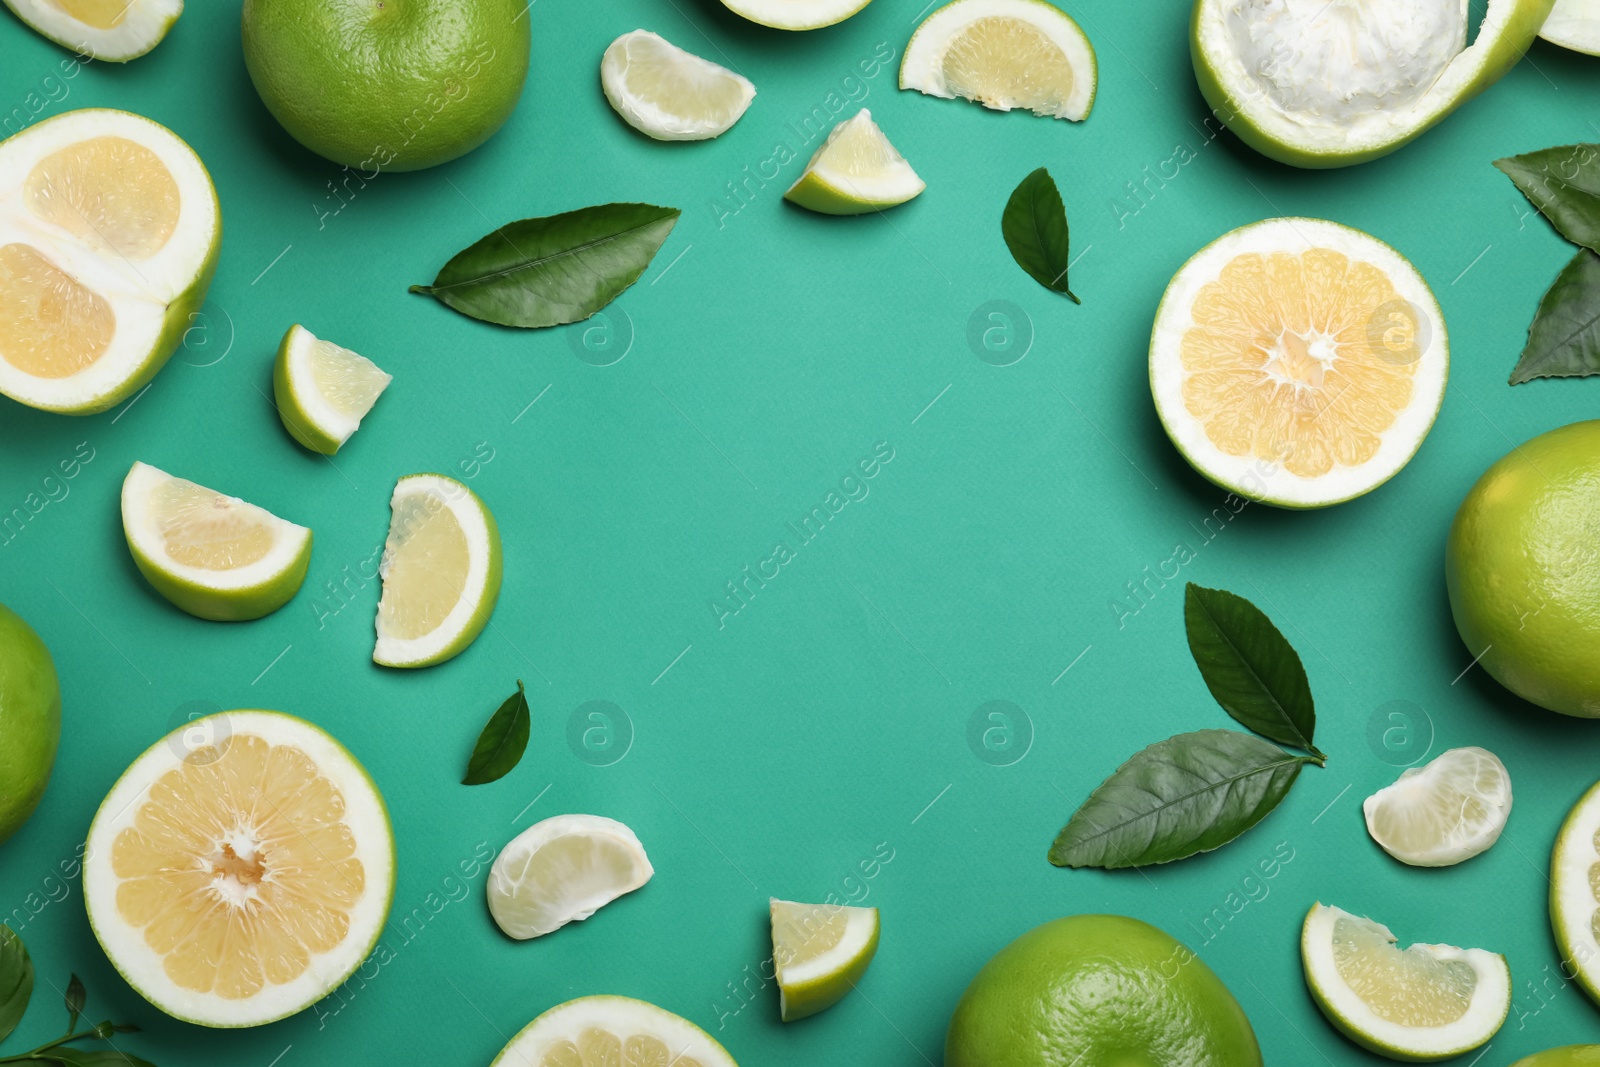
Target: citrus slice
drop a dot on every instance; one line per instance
(820, 952)
(1316, 84)
(1574, 24)
(669, 94)
(1565, 1056)
(1442, 813)
(109, 229)
(1004, 54)
(112, 31)
(795, 14)
(1575, 892)
(1298, 362)
(1424, 1002)
(323, 391)
(239, 870)
(563, 870)
(856, 170)
(441, 572)
(212, 555)
(612, 1030)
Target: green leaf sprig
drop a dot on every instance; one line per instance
(1034, 225)
(502, 742)
(1197, 791)
(16, 989)
(553, 270)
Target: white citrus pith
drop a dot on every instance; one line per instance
(1443, 813)
(109, 229)
(1298, 362)
(240, 869)
(669, 94)
(323, 390)
(856, 170)
(820, 952)
(1575, 892)
(1004, 54)
(112, 31)
(602, 1031)
(1574, 24)
(563, 870)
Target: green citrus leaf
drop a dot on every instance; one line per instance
(1564, 184)
(1185, 795)
(16, 981)
(553, 270)
(1564, 340)
(1034, 225)
(502, 742)
(1249, 666)
(83, 1057)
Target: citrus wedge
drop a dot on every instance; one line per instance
(109, 229)
(112, 31)
(612, 1030)
(441, 572)
(1318, 84)
(239, 870)
(1298, 362)
(1424, 1002)
(1574, 24)
(669, 94)
(323, 391)
(1443, 813)
(1004, 54)
(856, 170)
(212, 555)
(795, 14)
(563, 870)
(820, 952)
(1575, 892)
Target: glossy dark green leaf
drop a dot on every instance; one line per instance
(1185, 795)
(1564, 184)
(1564, 340)
(95, 1057)
(1250, 667)
(1034, 225)
(553, 270)
(16, 980)
(502, 742)
(75, 998)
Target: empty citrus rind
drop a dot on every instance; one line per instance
(555, 1036)
(125, 945)
(1574, 24)
(111, 33)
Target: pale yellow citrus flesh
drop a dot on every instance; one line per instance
(1005, 62)
(1407, 988)
(802, 932)
(350, 382)
(110, 192)
(428, 561)
(203, 528)
(1297, 358)
(602, 1048)
(101, 14)
(50, 325)
(859, 151)
(239, 867)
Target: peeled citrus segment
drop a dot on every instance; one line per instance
(1298, 362)
(109, 229)
(112, 31)
(323, 391)
(669, 94)
(1442, 813)
(606, 1031)
(1574, 24)
(1575, 892)
(1424, 1002)
(563, 870)
(795, 14)
(212, 555)
(440, 569)
(1319, 84)
(820, 952)
(856, 170)
(240, 869)
(1004, 54)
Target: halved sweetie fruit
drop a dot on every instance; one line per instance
(112, 31)
(240, 869)
(1575, 892)
(1298, 362)
(215, 556)
(820, 952)
(109, 230)
(1318, 84)
(795, 14)
(606, 1031)
(323, 390)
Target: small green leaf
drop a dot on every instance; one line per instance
(1185, 795)
(1564, 184)
(553, 270)
(16, 981)
(1034, 225)
(502, 742)
(76, 997)
(1564, 340)
(82, 1057)
(1250, 667)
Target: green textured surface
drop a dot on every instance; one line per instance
(827, 722)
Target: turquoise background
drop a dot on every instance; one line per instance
(826, 724)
